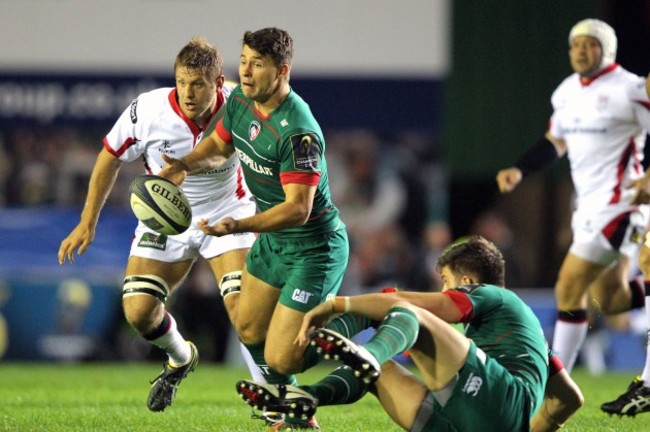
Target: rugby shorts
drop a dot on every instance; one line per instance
(486, 398)
(193, 242)
(308, 270)
(602, 236)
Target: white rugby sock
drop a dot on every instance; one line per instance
(568, 338)
(254, 369)
(173, 343)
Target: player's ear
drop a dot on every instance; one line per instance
(220, 81)
(284, 70)
(467, 280)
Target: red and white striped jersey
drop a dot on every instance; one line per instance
(155, 124)
(603, 122)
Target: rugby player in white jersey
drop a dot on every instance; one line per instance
(636, 398)
(171, 121)
(600, 118)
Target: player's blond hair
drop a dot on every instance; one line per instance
(199, 54)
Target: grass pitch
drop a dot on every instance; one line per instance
(112, 397)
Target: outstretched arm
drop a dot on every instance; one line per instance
(544, 152)
(101, 183)
(376, 306)
(207, 154)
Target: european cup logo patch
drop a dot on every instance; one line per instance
(306, 151)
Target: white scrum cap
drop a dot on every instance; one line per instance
(603, 32)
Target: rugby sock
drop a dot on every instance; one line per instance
(167, 337)
(396, 333)
(646, 370)
(594, 349)
(256, 374)
(270, 376)
(339, 387)
(569, 336)
(350, 324)
(347, 324)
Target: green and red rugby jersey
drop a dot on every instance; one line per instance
(507, 330)
(285, 147)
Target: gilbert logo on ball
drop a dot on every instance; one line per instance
(160, 204)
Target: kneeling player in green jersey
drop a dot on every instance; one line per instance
(495, 377)
(301, 254)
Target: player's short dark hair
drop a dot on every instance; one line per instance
(273, 42)
(199, 54)
(476, 257)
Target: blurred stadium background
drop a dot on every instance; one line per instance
(421, 103)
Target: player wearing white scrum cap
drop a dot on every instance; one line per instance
(601, 31)
(601, 115)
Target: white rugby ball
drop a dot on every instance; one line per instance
(160, 204)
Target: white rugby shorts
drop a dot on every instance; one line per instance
(193, 242)
(602, 236)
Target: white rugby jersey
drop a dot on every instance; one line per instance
(604, 123)
(154, 124)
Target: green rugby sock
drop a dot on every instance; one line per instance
(270, 375)
(339, 387)
(396, 333)
(347, 324)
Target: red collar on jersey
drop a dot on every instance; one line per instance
(585, 81)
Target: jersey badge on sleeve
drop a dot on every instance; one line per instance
(134, 111)
(306, 151)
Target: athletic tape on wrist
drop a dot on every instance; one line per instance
(341, 304)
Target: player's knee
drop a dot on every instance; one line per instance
(283, 363)
(142, 295)
(247, 330)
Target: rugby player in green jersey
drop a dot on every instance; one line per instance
(301, 254)
(497, 376)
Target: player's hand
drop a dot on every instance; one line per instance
(312, 320)
(79, 239)
(508, 179)
(174, 171)
(224, 227)
(642, 186)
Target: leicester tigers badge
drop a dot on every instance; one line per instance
(254, 129)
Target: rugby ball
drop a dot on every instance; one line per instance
(160, 204)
